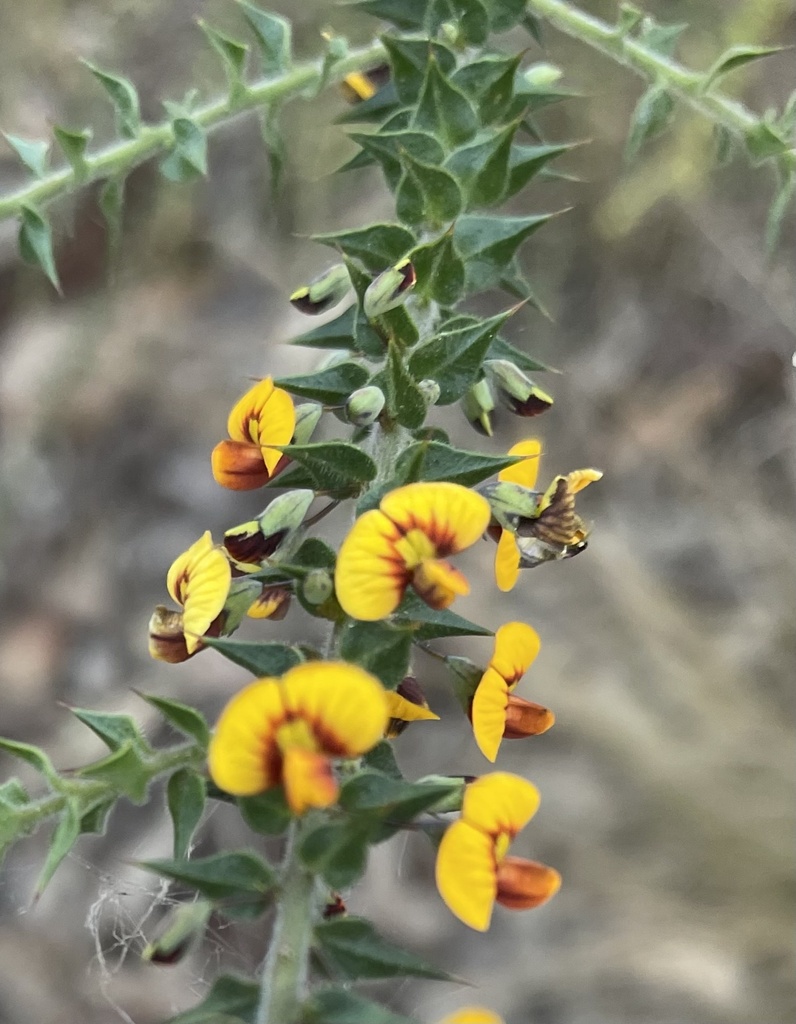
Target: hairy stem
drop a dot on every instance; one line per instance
(682, 82)
(284, 978)
(120, 158)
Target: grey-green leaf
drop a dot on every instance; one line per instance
(443, 109)
(63, 839)
(427, 195)
(357, 951)
(32, 152)
(124, 97)
(186, 794)
(183, 718)
(737, 57)
(36, 243)
(273, 34)
(651, 116)
(188, 158)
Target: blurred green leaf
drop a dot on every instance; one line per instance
(331, 386)
(124, 770)
(273, 35)
(36, 243)
(183, 718)
(96, 820)
(240, 878)
(229, 999)
(376, 246)
(124, 97)
(764, 141)
(339, 1006)
(188, 158)
(266, 813)
(185, 797)
(380, 648)
(433, 624)
(737, 57)
(408, 58)
(271, 131)
(261, 659)
(32, 152)
(382, 759)
(233, 54)
(111, 204)
(356, 950)
(660, 38)
(338, 851)
(651, 116)
(32, 756)
(443, 109)
(778, 211)
(63, 839)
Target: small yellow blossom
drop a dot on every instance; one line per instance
(407, 703)
(199, 581)
(473, 870)
(286, 732)
(405, 542)
(495, 711)
(472, 1015)
(263, 417)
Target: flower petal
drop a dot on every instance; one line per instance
(580, 478)
(344, 705)
(488, 713)
(525, 472)
(406, 710)
(243, 755)
(524, 718)
(438, 583)
(371, 576)
(185, 564)
(308, 780)
(472, 1015)
(500, 803)
(273, 603)
(239, 466)
(525, 884)
(507, 562)
(452, 516)
(263, 416)
(199, 580)
(466, 874)
(516, 648)
(277, 423)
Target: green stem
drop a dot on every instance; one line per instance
(120, 158)
(284, 978)
(682, 82)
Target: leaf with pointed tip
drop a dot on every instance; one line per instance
(502, 349)
(186, 794)
(348, 331)
(380, 648)
(63, 839)
(526, 162)
(407, 14)
(482, 167)
(443, 109)
(111, 204)
(188, 158)
(36, 243)
(651, 116)
(765, 140)
(405, 403)
(239, 876)
(376, 246)
(427, 194)
(271, 132)
(433, 624)
(32, 756)
(661, 38)
(267, 813)
(454, 358)
(274, 38)
(95, 821)
(124, 97)
(230, 999)
(113, 729)
(408, 58)
(737, 57)
(488, 244)
(124, 770)
(504, 14)
(382, 759)
(331, 386)
(333, 465)
(388, 147)
(338, 851)
(232, 52)
(339, 1006)
(261, 659)
(73, 144)
(32, 152)
(376, 108)
(440, 272)
(183, 718)
(489, 83)
(434, 461)
(357, 951)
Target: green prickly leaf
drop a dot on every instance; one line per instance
(261, 659)
(113, 729)
(408, 58)
(36, 243)
(331, 386)
(124, 97)
(63, 839)
(359, 953)
(340, 1006)
(482, 167)
(443, 109)
(332, 464)
(376, 246)
(188, 158)
(31, 755)
(434, 624)
(229, 1000)
(186, 794)
(488, 244)
(651, 116)
(527, 161)
(183, 718)
(440, 271)
(32, 152)
(404, 400)
(124, 770)
(489, 84)
(380, 648)
(737, 57)
(444, 463)
(239, 878)
(233, 54)
(661, 38)
(387, 149)
(273, 35)
(427, 194)
(73, 144)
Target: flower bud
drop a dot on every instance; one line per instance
(272, 603)
(317, 587)
(307, 416)
(478, 406)
(515, 390)
(538, 76)
(510, 502)
(525, 884)
(524, 718)
(323, 292)
(430, 391)
(183, 926)
(364, 406)
(389, 289)
(242, 593)
(166, 637)
(410, 690)
(362, 85)
(251, 542)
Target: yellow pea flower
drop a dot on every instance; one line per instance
(495, 711)
(405, 542)
(286, 732)
(264, 416)
(199, 581)
(407, 703)
(472, 1015)
(473, 871)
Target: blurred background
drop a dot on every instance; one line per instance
(668, 649)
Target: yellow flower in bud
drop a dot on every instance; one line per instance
(273, 603)
(473, 870)
(405, 542)
(286, 732)
(362, 85)
(199, 581)
(166, 636)
(263, 417)
(495, 711)
(472, 1015)
(407, 704)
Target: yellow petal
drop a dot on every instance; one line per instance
(472, 1015)
(182, 566)
(406, 710)
(360, 85)
(466, 874)
(438, 583)
(452, 516)
(580, 478)
(500, 803)
(524, 473)
(199, 580)
(516, 648)
(344, 705)
(243, 755)
(507, 561)
(243, 420)
(263, 416)
(488, 713)
(272, 603)
(371, 577)
(308, 780)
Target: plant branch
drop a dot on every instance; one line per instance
(120, 158)
(687, 85)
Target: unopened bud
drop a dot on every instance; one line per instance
(430, 390)
(539, 76)
(515, 390)
(362, 85)
(251, 542)
(307, 416)
(272, 603)
(411, 691)
(478, 405)
(364, 406)
(389, 289)
(166, 637)
(525, 884)
(317, 587)
(323, 292)
(183, 927)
